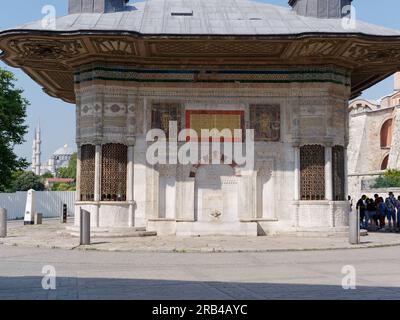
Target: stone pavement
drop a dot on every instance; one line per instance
(197, 276)
(51, 235)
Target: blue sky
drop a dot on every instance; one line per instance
(58, 118)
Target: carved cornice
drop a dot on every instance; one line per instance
(51, 58)
(299, 75)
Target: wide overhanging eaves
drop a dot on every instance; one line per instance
(52, 57)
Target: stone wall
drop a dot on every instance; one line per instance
(365, 152)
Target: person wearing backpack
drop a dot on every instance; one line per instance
(390, 204)
(371, 215)
(381, 212)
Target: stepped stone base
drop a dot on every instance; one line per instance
(112, 232)
(339, 232)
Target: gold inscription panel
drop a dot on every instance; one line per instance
(220, 120)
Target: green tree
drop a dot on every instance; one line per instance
(70, 171)
(12, 128)
(46, 175)
(390, 179)
(63, 187)
(26, 181)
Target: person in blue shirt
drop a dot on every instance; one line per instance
(398, 213)
(390, 204)
(381, 212)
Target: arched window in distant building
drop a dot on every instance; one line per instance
(386, 134)
(385, 163)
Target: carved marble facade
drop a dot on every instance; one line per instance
(201, 199)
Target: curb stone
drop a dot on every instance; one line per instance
(202, 250)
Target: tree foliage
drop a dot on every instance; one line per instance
(24, 181)
(63, 187)
(390, 179)
(70, 171)
(47, 175)
(12, 128)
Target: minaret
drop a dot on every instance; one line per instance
(36, 163)
(34, 153)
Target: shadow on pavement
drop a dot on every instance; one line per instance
(68, 288)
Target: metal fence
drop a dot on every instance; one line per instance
(49, 203)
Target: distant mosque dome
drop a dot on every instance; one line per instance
(65, 150)
(59, 159)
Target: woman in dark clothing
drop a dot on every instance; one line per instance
(362, 205)
(371, 213)
(381, 212)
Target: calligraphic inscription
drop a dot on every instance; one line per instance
(266, 122)
(225, 122)
(163, 113)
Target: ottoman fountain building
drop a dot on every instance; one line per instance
(288, 73)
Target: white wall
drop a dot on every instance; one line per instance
(49, 203)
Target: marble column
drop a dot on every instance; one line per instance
(346, 172)
(130, 186)
(296, 173)
(328, 174)
(97, 183)
(78, 175)
(297, 196)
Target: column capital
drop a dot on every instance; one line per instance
(328, 143)
(296, 143)
(131, 141)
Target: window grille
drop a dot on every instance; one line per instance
(312, 172)
(114, 172)
(88, 153)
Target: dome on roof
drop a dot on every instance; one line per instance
(65, 150)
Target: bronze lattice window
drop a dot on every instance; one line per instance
(266, 122)
(88, 153)
(312, 172)
(163, 113)
(338, 173)
(113, 172)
